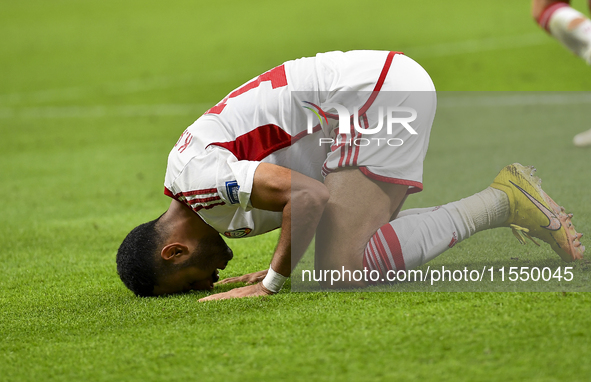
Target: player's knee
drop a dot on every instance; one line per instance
(322, 196)
(316, 196)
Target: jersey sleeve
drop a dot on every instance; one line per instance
(215, 178)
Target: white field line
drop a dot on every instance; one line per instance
(445, 100)
(508, 99)
(111, 88)
(120, 88)
(478, 45)
(99, 111)
(167, 82)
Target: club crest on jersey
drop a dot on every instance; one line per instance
(232, 188)
(237, 233)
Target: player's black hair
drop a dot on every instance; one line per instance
(136, 259)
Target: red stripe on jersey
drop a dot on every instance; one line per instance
(203, 200)
(302, 134)
(169, 193)
(343, 147)
(334, 146)
(200, 192)
(394, 245)
(366, 123)
(352, 146)
(380, 82)
(258, 143)
(325, 170)
(180, 197)
(350, 155)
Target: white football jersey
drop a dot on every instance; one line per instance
(211, 167)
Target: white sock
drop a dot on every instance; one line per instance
(583, 139)
(570, 27)
(416, 238)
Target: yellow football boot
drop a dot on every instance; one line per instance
(534, 213)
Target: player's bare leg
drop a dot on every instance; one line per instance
(355, 232)
(357, 208)
(573, 30)
(569, 26)
(417, 236)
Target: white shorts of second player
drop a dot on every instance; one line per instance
(395, 100)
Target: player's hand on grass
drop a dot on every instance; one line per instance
(247, 291)
(250, 278)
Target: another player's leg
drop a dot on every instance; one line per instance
(567, 25)
(583, 139)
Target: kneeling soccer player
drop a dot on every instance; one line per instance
(256, 162)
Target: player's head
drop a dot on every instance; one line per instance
(150, 263)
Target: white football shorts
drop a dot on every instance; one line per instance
(395, 100)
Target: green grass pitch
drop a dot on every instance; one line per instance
(94, 94)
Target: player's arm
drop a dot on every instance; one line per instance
(301, 200)
(249, 278)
